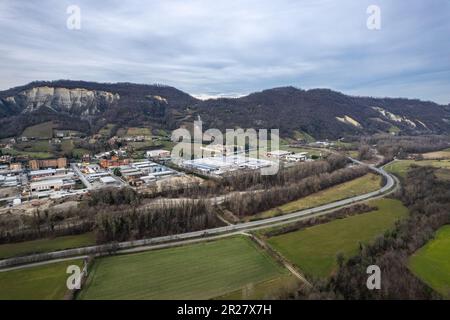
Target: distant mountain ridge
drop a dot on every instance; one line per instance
(322, 113)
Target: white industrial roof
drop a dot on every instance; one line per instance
(298, 155)
(39, 172)
(46, 182)
(107, 180)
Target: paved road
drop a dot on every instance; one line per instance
(166, 241)
(10, 198)
(80, 175)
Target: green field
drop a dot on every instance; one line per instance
(32, 155)
(365, 184)
(106, 130)
(35, 146)
(311, 152)
(42, 130)
(401, 167)
(46, 245)
(265, 290)
(132, 132)
(314, 249)
(199, 271)
(47, 282)
(68, 146)
(431, 263)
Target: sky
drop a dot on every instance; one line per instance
(212, 48)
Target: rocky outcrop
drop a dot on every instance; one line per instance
(77, 101)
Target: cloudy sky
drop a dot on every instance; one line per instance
(233, 47)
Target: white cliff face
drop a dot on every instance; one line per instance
(394, 117)
(80, 101)
(348, 120)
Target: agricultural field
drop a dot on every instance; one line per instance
(106, 130)
(431, 263)
(443, 154)
(132, 132)
(263, 290)
(46, 245)
(199, 271)
(35, 146)
(32, 155)
(42, 130)
(68, 146)
(313, 250)
(141, 145)
(311, 152)
(401, 167)
(47, 282)
(369, 182)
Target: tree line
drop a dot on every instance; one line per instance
(258, 201)
(163, 220)
(114, 215)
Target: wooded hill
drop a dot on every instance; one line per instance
(321, 113)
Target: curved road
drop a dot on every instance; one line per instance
(159, 242)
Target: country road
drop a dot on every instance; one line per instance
(208, 234)
(80, 175)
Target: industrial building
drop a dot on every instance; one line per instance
(50, 163)
(157, 154)
(9, 181)
(221, 165)
(278, 154)
(51, 184)
(297, 157)
(144, 172)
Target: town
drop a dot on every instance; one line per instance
(23, 180)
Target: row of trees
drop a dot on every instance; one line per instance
(114, 196)
(166, 219)
(258, 201)
(399, 146)
(114, 214)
